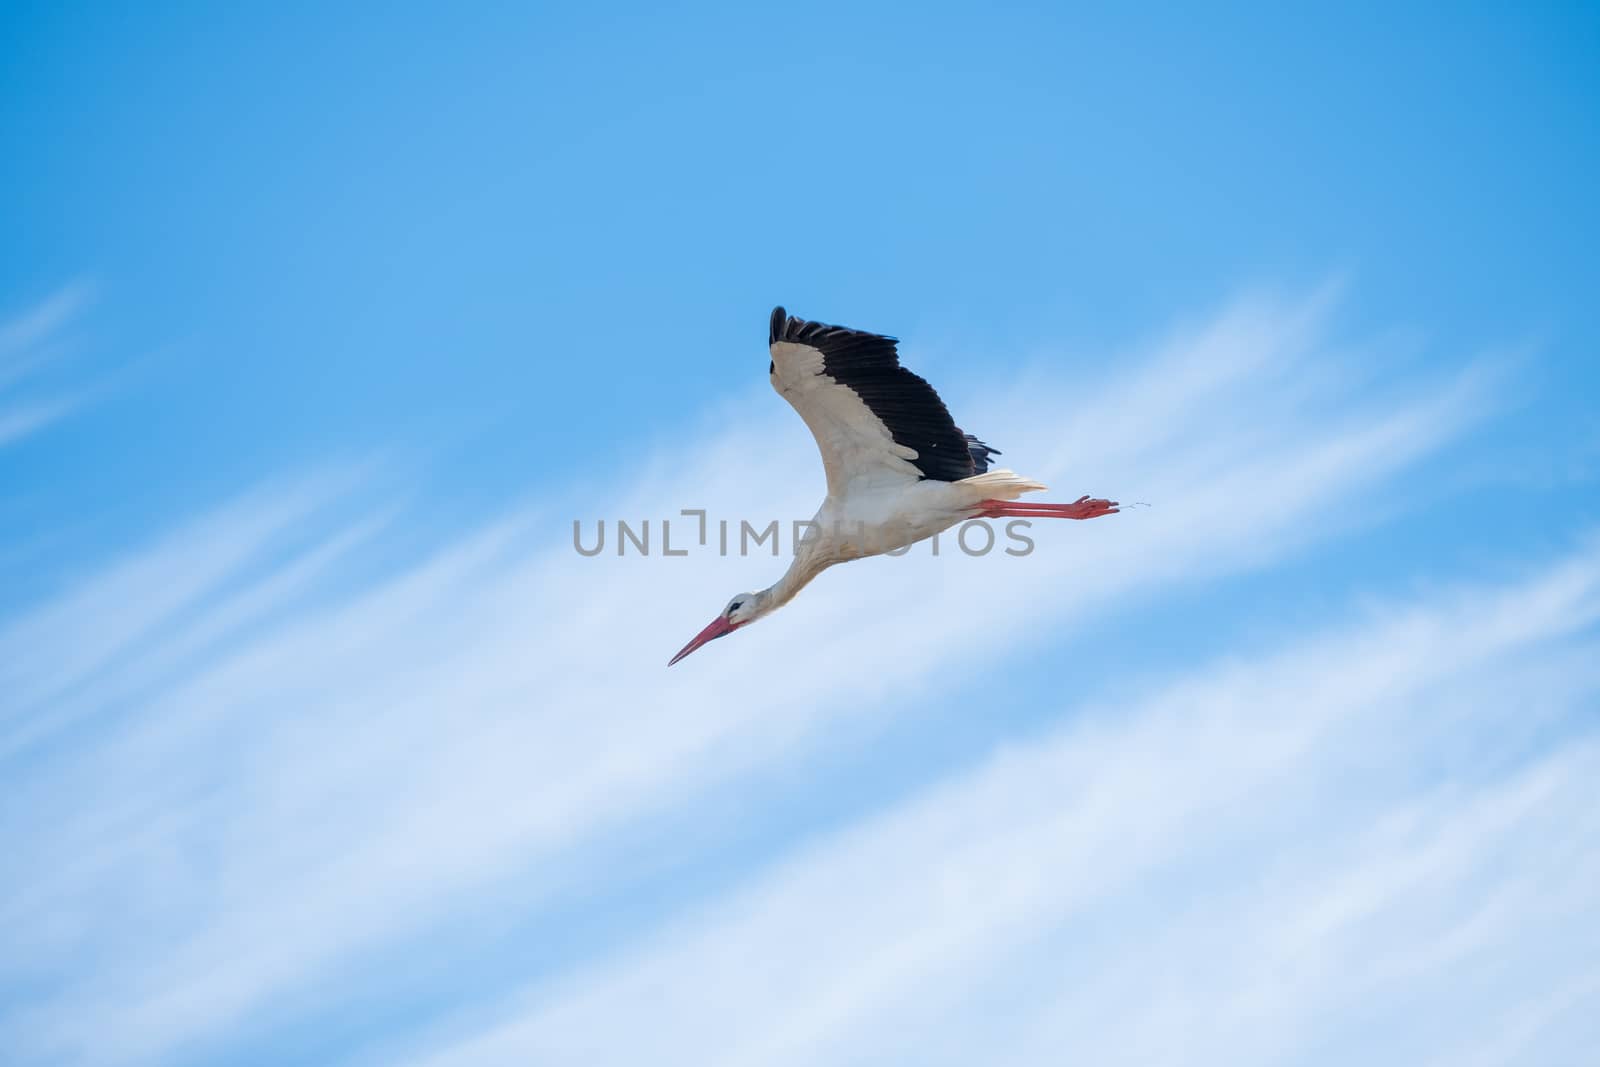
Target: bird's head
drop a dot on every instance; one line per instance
(741, 611)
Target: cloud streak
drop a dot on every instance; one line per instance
(1187, 879)
(28, 341)
(291, 775)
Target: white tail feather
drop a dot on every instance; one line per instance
(1001, 485)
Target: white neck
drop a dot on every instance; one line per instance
(805, 567)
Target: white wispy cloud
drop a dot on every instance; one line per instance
(1346, 851)
(285, 775)
(29, 340)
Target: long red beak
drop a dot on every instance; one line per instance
(720, 627)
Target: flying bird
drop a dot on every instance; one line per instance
(899, 468)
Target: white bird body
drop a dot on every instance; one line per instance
(885, 518)
(898, 468)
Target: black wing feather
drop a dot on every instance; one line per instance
(868, 365)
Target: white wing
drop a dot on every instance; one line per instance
(876, 423)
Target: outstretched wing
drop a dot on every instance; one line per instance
(875, 422)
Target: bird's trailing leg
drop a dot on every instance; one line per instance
(1081, 508)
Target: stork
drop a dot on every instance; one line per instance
(899, 469)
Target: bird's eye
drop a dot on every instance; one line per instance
(735, 606)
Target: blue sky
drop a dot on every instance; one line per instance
(321, 745)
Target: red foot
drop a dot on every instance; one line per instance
(1081, 508)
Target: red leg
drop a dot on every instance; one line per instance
(1082, 508)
